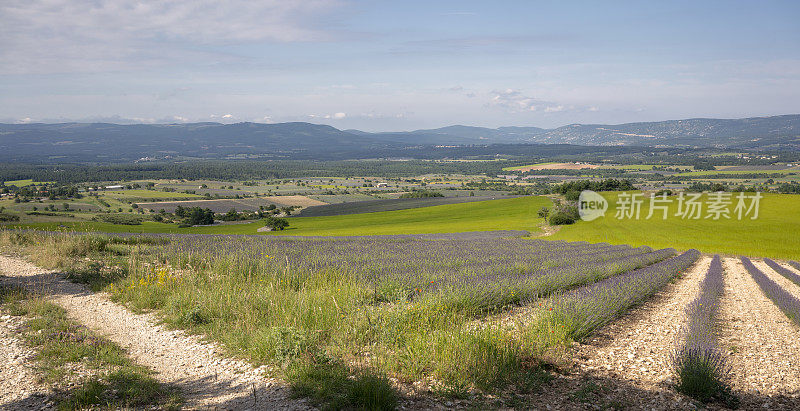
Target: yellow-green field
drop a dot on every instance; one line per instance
(506, 214)
(22, 183)
(774, 234)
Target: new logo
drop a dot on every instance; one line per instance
(591, 205)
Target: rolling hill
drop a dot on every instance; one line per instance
(115, 142)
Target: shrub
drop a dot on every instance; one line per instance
(561, 218)
(121, 219)
(8, 217)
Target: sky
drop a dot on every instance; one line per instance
(397, 65)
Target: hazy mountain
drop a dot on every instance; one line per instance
(755, 132)
(207, 140)
(116, 142)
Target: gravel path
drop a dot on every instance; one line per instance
(206, 378)
(764, 346)
(18, 387)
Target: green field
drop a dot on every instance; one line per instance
(506, 214)
(147, 194)
(22, 183)
(774, 234)
(736, 172)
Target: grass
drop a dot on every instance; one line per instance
(23, 183)
(114, 381)
(505, 214)
(772, 235)
(334, 386)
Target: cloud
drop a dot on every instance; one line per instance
(334, 116)
(77, 35)
(516, 102)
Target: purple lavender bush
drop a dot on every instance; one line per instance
(789, 274)
(795, 264)
(574, 315)
(700, 366)
(787, 303)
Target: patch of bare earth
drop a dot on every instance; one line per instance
(206, 378)
(763, 345)
(560, 166)
(626, 364)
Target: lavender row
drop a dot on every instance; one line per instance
(589, 265)
(795, 264)
(789, 274)
(574, 315)
(787, 303)
(701, 367)
(490, 294)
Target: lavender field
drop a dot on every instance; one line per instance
(459, 313)
(401, 307)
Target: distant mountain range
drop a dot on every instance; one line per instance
(114, 142)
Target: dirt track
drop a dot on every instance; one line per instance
(206, 378)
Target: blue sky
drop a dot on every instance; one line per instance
(380, 65)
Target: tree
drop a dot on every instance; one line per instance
(275, 223)
(231, 215)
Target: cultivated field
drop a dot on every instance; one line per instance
(372, 206)
(465, 321)
(552, 166)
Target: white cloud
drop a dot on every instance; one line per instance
(515, 101)
(74, 35)
(228, 116)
